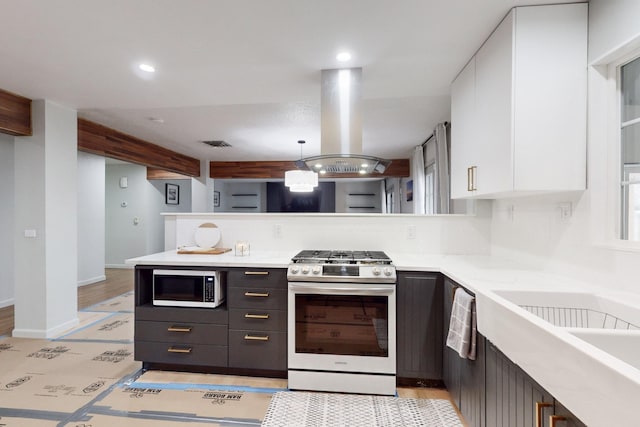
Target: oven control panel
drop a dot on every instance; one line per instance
(383, 273)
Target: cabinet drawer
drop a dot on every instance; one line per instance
(258, 277)
(218, 315)
(258, 298)
(258, 350)
(181, 333)
(259, 320)
(181, 354)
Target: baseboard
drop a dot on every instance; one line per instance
(7, 302)
(45, 334)
(93, 280)
(121, 266)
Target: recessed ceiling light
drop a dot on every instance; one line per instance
(156, 119)
(147, 67)
(343, 56)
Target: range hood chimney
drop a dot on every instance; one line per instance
(341, 127)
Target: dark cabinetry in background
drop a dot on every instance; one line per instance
(248, 332)
(492, 391)
(464, 378)
(257, 303)
(419, 326)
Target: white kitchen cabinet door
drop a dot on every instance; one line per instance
(494, 108)
(463, 129)
(529, 119)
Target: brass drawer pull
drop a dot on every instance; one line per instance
(179, 329)
(256, 273)
(256, 338)
(539, 408)
(555, 418)
(256, 316)
(179, 350)
(256, 294)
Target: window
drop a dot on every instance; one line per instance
(630, 150)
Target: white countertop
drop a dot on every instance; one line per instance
(597, 387)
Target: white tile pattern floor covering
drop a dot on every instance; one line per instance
(87, 377)
(291, 409)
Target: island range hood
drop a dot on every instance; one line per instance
(341, 127)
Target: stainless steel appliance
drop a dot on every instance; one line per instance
(188, 288)
(342, 322)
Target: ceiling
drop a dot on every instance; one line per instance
(244, 71)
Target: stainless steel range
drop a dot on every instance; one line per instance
(342, 322)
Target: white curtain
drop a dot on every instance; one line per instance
(442, 169)
(417, 172)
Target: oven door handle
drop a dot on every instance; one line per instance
(355, 290)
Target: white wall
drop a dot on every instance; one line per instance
(124, 239)
(91, 218)
(145, 201)
(531, 228)
(438, 234)
(7, 275)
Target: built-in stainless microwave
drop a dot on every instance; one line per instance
(188, 288)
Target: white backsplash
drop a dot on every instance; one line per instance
(444, 234)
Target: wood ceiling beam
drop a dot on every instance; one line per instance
(15, 114)
(98, 139)
(276, 169)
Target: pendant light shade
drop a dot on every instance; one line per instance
(301, 181)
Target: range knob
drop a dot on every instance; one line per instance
(294, 269)
(375, 271)
(387, 271)
(305, 269)
(316, 269)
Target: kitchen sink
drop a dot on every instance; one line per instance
(622, 345)
(576, 309)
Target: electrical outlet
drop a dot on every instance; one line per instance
(411, 232)
(566, 210)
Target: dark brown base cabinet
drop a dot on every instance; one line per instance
(247, 333)
(492, 391)
(419, 328)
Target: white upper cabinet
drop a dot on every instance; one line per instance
(519, 107)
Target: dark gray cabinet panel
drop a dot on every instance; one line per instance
(257, 302)
(181, 332)
(181, 354)
(218, 315)
(258, 349)
(451, 361)
(256, 298)
(258, 277)
(259, 320)
(472, 384)
(419, 325)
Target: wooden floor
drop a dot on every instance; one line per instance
(118, 282)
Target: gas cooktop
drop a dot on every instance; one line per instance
(341, 257)
(342, 266)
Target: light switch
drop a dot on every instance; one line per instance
(31, 234)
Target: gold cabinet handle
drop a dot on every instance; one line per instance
(256, 316)
(179, 329)
(256, 294)
(553, 419)
(471, 178)
(179, 350)
(539, 408)
(256, 273)
(256, 338)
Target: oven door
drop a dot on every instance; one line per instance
(342, 327)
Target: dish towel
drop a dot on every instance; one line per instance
(462, 325)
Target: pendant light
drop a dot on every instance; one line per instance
(300, 181)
